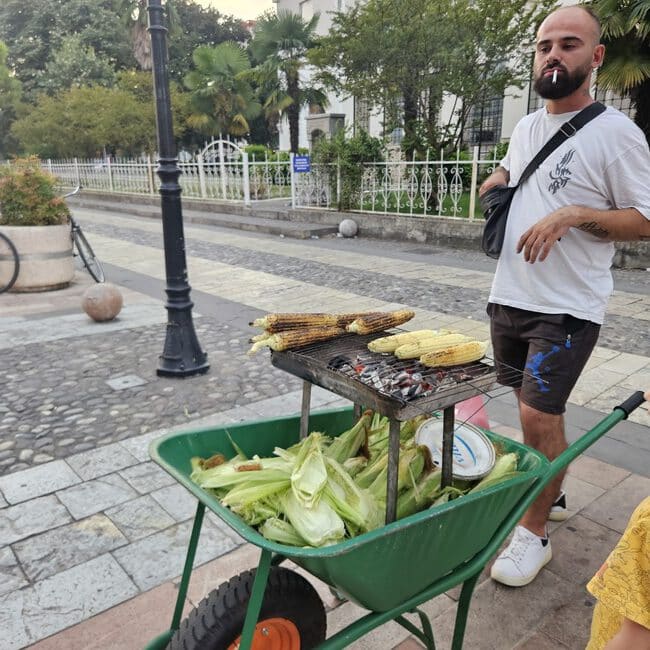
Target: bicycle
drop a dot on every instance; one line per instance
(9, 263)
(84, 249)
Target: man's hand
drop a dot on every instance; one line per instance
(536, 242)
(500, 176)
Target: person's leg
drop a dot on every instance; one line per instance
(544, 432)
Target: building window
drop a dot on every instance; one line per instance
(483, 126)
(306, 10)
(361, 115)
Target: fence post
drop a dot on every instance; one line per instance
(76, 171)
(199, 163)
(338, 184)
(110, 174)
(247, 187)
(222, 169)
(49, 165)
(152, 186)
(472, 189)
(293, 182)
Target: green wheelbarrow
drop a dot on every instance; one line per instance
(389, 571)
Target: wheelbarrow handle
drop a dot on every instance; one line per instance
(619, 413)
(633, 402)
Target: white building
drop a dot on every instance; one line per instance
(497, 117)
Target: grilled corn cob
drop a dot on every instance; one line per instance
(281, 322)
(343, 320)
(376, 322)
(391, 343)
(296, 338)
(455, 355)
(431, 344)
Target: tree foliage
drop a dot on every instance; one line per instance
(404, 56)
(76, 64)
(626, 69)
(196, 26)
(279, 47)
(35, 30)
(222, 99)
(10, 92)
(88, 122)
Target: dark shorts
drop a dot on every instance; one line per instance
(541, 354)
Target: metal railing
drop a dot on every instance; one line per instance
(429, 187)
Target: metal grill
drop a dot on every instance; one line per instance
(397, 388)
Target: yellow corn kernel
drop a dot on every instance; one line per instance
(455, 355)
(391, 343)
(417, 349)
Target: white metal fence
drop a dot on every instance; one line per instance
(434, 186)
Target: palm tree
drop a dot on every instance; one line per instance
(626, 70)
(222, 98)
(280, 43)
(134, 14)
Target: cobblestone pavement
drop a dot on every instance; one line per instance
(57, 399)
(93, 533)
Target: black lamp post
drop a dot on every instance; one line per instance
(182, 354)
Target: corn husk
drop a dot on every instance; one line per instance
(354, 465)
(281, 531)
(421, 495)
(357, 507)
(505, 468)
(309, 475)
(319, 525)
(349, 442)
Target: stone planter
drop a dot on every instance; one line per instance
(45, 253)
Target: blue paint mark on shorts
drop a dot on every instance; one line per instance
(536, 369)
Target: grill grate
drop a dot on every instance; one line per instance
(395, 387)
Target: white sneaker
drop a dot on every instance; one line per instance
(526, 555)
(559, 510)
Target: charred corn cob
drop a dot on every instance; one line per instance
(391, 343)
(281, 322)
(376, 322)
(296, 338)
(343, 320)
(431, 344)
(455, 355)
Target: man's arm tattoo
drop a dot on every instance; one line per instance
(594, 228)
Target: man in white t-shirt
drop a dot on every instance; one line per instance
(553, 278)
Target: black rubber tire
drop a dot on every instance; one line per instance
(7, 252)
(219, 618)
(87, 256)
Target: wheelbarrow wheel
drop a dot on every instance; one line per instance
(292, 615)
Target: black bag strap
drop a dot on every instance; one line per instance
(567, 130)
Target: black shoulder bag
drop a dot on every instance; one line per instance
(495, 203)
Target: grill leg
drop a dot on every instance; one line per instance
(447, 445)
(304, 413)
(393, 467)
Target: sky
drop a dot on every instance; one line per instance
(246, 9)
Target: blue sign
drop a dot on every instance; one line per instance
(301, 164)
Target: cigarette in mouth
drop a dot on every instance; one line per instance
(554, 76)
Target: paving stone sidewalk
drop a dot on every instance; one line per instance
(93, 534)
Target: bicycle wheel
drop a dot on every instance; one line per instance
(9, 263)
(87, 255)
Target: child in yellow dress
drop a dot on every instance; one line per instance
(621, 619)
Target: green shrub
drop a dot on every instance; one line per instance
(351, 155)
(28, 196)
